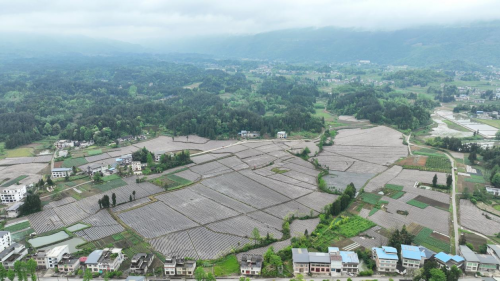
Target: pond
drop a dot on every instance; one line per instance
(72, 243)
(46, 240)
(76, 227)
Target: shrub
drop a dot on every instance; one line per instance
(368, 272)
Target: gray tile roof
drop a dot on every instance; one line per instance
(319, 257)
(487, 259)
(93, 258)
(300, 255)
(468, 254)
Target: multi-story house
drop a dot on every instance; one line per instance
(54, 255)
(494, 250)
(13, 253)
(60, 172)
(471, 263)
(386, 258)
(335, 261)
(13, 193)
(319, 263)
(251, 264)
(137, 167)
(350, 262)
(158, 155)
(39, 258)
(447, 261)
(487, 263)
(68, 264)
(281, 135)
(185, 267)
(108, 259)
(169, 266)
(411, 256)
(300, 258)
(14, 210)
(141, 262)
(5, 240)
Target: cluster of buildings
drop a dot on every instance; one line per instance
(333, 263)
(132, 138)
(62, 144)
(473, 262)
(249, 134)
(10, 252)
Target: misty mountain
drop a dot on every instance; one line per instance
(478, 43)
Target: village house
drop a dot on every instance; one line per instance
(60, 172)
(108, 259)
(319, 263)
(350, 262)
(471, 261)
(60, 144)
(335, 261)
(445, 260)
(158, 155)
(137, 167)
(141, 262)
(39, 258)
(13, 193)
(494, 250)
(493, 190)
(15, 210)
(125, 159)
(96, 168)
(13, 253)
(5, 240)
(300, 258)
(185, 267)
(386, 258)
(281, 135)
(68, 264)
(487, 263)
(411, 256)
(249, 134)
(251, 264)
(54, 255)
(169, 266)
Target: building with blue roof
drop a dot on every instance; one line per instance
(343, 262)
(412, 256)
(386, 258)
(445, 260)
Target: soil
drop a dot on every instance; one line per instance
(475, 240)
(440, 237)
(342, 243)
(414, 228)
(417, 160)
(432, 202)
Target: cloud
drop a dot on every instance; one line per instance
(134, 21)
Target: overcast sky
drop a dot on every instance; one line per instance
(134, 20)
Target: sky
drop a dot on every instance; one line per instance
(136, 21)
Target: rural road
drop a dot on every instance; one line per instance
(151, 278)
(454, 202)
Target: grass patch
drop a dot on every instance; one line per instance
(118, 237)
(475, 179)
(110, 185)
(68, 163)
(14, 181)
(278, 170)
(111, 177)
(398, 195)
(417, 204)
(370, 198)
(17, 227)
(227, 266)
(94, 152)
(18, 152)
(21, 235)
(428, 152)
(373, 211)
(424, 238)
(394, 187)
(354, 226)
(177, 179)
(493, 123)
(454, 126)
(438, 162)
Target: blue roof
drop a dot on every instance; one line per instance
(445, 257)
(349, 256)
(390, 249)
(333, 249)
(411, 252)
(94, 257)
(381, 254)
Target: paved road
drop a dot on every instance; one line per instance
(379, 278)
(454, 202)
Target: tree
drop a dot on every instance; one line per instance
(87, 276)
(133, 193)
(472, 157)
(49, 181)
(100, 203)
(496, 180)
(97, 177)
(462, 240)
(11, 274)
(199, 274)
(31, 267)
(256, 235)
(113, 199)
(449, 180)
(105, 201)
(3, 272)
(210, 277)
(437, 275)
(31, 205)
(483, 249)
(74, 170)
(454, 273)
(130, 198)
(435, 180)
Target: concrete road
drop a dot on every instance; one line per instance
(454, 202)
(379, 278)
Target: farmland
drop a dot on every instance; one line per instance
(425, 238)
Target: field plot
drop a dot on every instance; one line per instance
(165, 143)
(301, 177)
(245, 190)
(420, 176)
(99, 157)
(366, 167)
(381, 155)
(266, 219)
(415, 160)
(371, 238)
(191, 139)
(77, 162)
(298, 227)
(103, 225)
(334, 162)
(198, 159)
(17, 161)
(210, 169)
(259, 160)
(196, 207)
(432, 202)
(243, 226)
(248, 153)
(289, 190)
(15, 171)
(109, 185)
(340, 180)
(288, 180)
(317, 200)
(290, 208)
(176, 244)
(234, 163)
(155, 220)
(45, 221)
(473, 218)
(433, 241)
(189, 175)
(270, 148)
(376, 136)
(130, 205)
(299, 168)
(212, 245)
(221, 198)
(382, 179)
(70, 213)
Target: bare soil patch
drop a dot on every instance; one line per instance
(414, 228)
(440, 237)
(416, 160)
(475, 240)
(342, 243)
(432, 202)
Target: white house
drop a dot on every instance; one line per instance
(251, 265)
(108, 259)
(13, 193)
(13, 253)
(158, 155)
(412, 256)
(60, 172)
(386, 258)
(14, 210)
(96, 168)
(281, 135)
(169, 266)
(55, 255)
(5, 240)
(137, 167)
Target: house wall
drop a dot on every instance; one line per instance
(471, 266)
(320, 268)
(300, 267)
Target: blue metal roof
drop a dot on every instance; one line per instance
(411, 252)
(445, 257)
(349, 256)
(333, 249)
(94, 257)
(381, 254)
(390, 249)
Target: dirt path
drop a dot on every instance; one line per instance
(71, 187)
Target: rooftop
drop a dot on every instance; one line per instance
(319, 257)
(495, 248)
(389, 249)
(487, 259)
(93, 258)
(349, 256)
(411, 252)
(61, 169)
(56, 250)
(446, 258)
(300, 255)
(381, 254)
(15, 207)
(468, 254)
